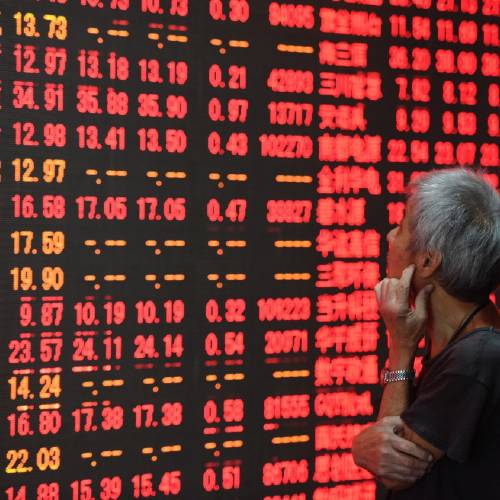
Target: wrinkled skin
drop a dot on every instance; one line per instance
(385, 454)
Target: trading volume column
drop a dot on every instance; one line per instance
(285, 303)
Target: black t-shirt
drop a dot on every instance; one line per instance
(457, 409)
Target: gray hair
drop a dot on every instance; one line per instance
(457, 213)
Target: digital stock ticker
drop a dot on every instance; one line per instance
(194, 201)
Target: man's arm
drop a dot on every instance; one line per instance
(396, 395)
(385, 453)
(406, 326)
(395, 400)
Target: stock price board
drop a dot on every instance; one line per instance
(194, 202)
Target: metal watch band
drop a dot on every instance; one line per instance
(397, 376)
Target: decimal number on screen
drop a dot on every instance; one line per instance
(153, 71)
(144, 484)
(92, 419)
(147, 312)
(27, 24)
(24, 423)
(27, 134)
(87, 348)
(109, 488)
(415, 89)
(91, 62)
(234, 78)
(175, 7)
(234, 211)
(87, 314)
(235, 110)
(112, 207)
(459, 93)
(53, 206)
(146, 346)
(25, 242)
(23, 387)
(100, 4)
(233, 410)
(50, 349)
(52, 170)
(153, 209)
(171, 140)
(148, 415)
(50, 278)
(233, 10)
(233, 311)
(25, 95)
(228, 478)
(54, 60)
(228, 344)
(22, 461)
(92, 138)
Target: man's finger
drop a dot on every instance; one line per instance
(405, 470)
(402, 476)
(409, 448)
(410, 474)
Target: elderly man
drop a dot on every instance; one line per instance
(438, 438)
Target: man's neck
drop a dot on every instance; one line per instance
(448, 313)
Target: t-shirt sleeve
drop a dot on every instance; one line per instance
(447, 413)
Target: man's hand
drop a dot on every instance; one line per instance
(394, 460)
(405, 324)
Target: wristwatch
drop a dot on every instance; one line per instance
(388, 376)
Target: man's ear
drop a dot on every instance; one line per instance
(428, 263)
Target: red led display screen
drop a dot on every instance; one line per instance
(194, 202)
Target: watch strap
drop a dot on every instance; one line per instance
(389, 376)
